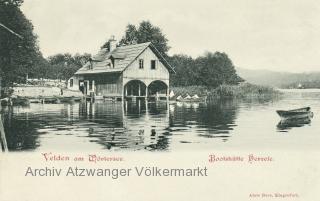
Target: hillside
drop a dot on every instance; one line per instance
(280, 79)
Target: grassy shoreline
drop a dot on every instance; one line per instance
(241, 91)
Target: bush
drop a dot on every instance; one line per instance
(191, 90)
(243, 90)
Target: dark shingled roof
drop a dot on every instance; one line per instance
(125, 55)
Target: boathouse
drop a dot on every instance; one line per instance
(124, 72)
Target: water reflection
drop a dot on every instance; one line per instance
(286, 125)
(116, 125)
(214, 120)
(24, 134)
(134, 125)
(155, 125)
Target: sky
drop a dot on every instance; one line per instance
(277, 35)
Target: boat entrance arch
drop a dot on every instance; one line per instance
(135, 88)
(158, 90)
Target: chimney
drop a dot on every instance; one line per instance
(112, 43)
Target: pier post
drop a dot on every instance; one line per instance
(3, 142)
(139, 106)
(146, 97)
(126, 106)
(139, 89)
(146, 102)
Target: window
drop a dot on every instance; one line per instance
(90, 85)
(71, 83)
(140, 63)
(153, 64)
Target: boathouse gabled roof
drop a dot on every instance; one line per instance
(125, 55)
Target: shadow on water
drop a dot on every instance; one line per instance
(211, 120)
(128, 125)
(286, 125)
(133, 125)
(20, 129)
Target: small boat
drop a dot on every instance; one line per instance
(69, 99)
(51, 100)
(171, 94)
(187, 97)
(301, 113)
(195, 96)
(179, 98)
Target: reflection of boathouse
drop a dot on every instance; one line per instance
(133, 125)
(132, 71)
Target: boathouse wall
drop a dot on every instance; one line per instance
(146, 74)
(106, 84)
(73, 82)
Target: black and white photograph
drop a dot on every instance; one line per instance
(80, 75)
(223, 80)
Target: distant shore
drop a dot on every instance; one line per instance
(311, 90)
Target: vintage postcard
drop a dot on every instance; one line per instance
(149, 100)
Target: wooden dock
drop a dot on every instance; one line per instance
(42, 100)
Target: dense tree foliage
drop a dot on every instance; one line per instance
(19, 56)
(211, 70)
(186, 73)
(63, 66)
(146, 32)
(12, 2)
(216, 69)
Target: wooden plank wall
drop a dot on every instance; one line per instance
(107, 84)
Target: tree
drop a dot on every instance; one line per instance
(146, 32)
(106, 45)
(131, 35)
(63, 66)
(186, 73)
(216, 69)
(18, 56)
(12, 2)
(210, 70)
(81, 59)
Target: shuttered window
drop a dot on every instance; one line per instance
(141, 63)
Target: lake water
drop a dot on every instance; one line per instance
(229, 124)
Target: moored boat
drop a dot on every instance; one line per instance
(300, 113)
(188, 98)
(69, 99)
